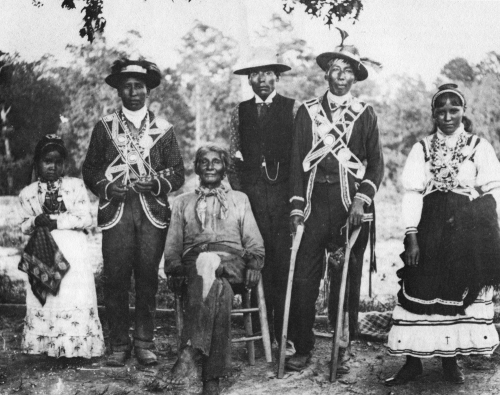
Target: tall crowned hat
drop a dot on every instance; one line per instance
(260, 57)
(142, 69)
(349, 53)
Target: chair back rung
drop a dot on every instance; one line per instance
(249, 310)
(246, 339)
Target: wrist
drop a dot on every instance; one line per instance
(357, 201)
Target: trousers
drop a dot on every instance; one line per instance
(323, 227)
(133, 245)
(207, 312)
(271, 209)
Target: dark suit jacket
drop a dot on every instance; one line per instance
(165, 159)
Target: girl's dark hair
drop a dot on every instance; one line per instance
(49, 143)
(224, 155)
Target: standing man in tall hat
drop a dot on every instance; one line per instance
(261, 145)
(132, 164)
(337, 167)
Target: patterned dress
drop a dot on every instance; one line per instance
(445, 304)
(68, 324)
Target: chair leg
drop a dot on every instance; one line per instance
(248, 328)
(179, 319)
(264, 325)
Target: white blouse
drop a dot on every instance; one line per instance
(483, 172)
(75, 199)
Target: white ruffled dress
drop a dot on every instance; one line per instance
(68, 324)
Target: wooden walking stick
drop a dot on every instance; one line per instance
(340, 311)
(284, 334)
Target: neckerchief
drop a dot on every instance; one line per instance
(44, 263)
(135, 117)
(201, 203)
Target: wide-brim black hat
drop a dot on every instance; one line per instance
(141, 69)
(350, 54)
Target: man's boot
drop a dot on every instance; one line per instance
(211, 387)
(145, 357)
(298, 362)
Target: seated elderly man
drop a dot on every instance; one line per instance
(213, 242)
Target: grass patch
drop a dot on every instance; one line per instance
(11, 291)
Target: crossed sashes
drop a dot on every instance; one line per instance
(332, 137)
(132, 156)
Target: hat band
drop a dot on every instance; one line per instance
(133, 68)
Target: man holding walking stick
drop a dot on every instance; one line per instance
(337, 167)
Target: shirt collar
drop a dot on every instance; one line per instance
(268, 100)
(135, 117)
(455, 134)
(339, 100)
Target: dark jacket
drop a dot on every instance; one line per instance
(165, 160)
(269, 140)
(364, 143)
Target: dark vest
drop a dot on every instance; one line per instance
(269, 140)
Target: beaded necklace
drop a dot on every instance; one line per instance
(53, 203)
(445, 161)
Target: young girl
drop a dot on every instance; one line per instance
(61, 304)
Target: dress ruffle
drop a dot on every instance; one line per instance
(426, 336)
(68, 324)
(63, 333)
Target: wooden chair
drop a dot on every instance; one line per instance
(247, 311)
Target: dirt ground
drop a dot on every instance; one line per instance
(370, 365)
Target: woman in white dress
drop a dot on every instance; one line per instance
(452, 245)
(61, 304)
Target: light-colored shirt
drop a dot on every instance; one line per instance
(268, 100)
(238, 230)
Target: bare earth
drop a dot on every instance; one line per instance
(370, 365)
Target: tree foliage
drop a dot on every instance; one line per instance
(94, 23)
(327, 9)
(208, 83)
(35, 100)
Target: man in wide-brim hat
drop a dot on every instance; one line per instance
(132, 164)
(261, 142)
(337, 167)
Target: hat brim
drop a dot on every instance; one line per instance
(152, 80)
(360, 71)
(278, 67)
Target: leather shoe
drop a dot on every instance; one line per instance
(145, 357)
(298, 362)
(407, 373)
(118, 358)
(452, 372)
(211, 387)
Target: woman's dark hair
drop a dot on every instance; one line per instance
(224, 155)
(456, 98)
